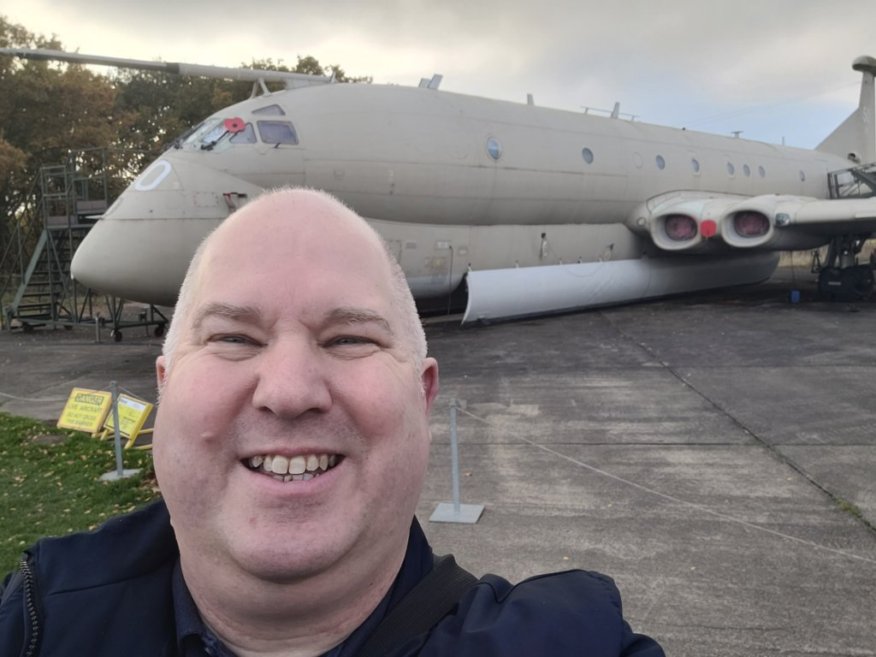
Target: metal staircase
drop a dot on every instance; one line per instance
(67, 205)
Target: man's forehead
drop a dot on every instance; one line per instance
(300, 210)
(256, 314)
(287, 229)
(293, 244)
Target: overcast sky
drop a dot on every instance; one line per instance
(774, 69)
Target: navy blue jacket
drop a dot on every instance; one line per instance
(108, 593)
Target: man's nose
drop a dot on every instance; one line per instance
(292, 380)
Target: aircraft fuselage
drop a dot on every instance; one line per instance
(454, 183)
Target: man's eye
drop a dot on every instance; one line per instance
(350, 340)
(232, 339)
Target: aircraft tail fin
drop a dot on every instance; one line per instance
(855, 138)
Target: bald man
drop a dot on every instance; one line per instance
(290, 445)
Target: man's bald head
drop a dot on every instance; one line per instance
(310, 211)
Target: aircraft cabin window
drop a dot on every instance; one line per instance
(695, 165)
(277, 132)
(270, 110)
(661, 163)
(494, 148)
(587, 154)
(731, 169)
(761, 172)
(245, 136)
(802, 176)
(746, 170)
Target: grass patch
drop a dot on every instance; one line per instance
(853, 510)
(849, 508)
(50, 486)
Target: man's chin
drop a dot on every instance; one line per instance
(285, 562)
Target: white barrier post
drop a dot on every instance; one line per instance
(454, 511)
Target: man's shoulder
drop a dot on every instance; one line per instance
(124, 547)
(560, 588)
(559, 602)
(569, 612)
(72, 586)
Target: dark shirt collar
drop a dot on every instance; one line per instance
(194, 638)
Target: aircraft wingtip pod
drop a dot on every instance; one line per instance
(865, 63)
(502, 294)
(514, 293)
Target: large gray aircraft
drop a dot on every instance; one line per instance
(523, 210)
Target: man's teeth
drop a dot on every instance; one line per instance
(297, 468)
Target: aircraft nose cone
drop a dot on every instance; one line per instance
(141, 248)
(138, 259)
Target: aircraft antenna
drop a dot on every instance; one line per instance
(433, 83)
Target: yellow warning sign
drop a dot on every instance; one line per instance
(132, 415)
(85, 410)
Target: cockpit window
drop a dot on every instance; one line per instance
(208, 132)
(245, 136)
(218, 134)
(277, 132)
(270, 110)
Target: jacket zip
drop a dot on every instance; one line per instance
(31, 608)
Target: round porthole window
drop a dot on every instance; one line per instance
(730, 168)
(661, 163)
(695, 165)
(494, 148)
(587, 154)
(746, 170)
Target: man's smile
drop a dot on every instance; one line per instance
(301, 467)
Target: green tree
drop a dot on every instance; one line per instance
(113, 124)
(46, 109)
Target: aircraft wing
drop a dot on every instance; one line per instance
(829, 217)
(730, 240)
(693, 221)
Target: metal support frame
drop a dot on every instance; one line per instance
(855, 182)
(149, 317)
(67, 202)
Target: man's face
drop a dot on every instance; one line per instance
(292, 434)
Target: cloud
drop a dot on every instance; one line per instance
(671, 61)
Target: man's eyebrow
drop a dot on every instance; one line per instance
(351, 315)
(226, 311)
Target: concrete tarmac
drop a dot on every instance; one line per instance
(715, 454)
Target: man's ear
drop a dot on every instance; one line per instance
(429, 381)
(160, 372)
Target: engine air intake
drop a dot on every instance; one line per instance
(749, 223)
